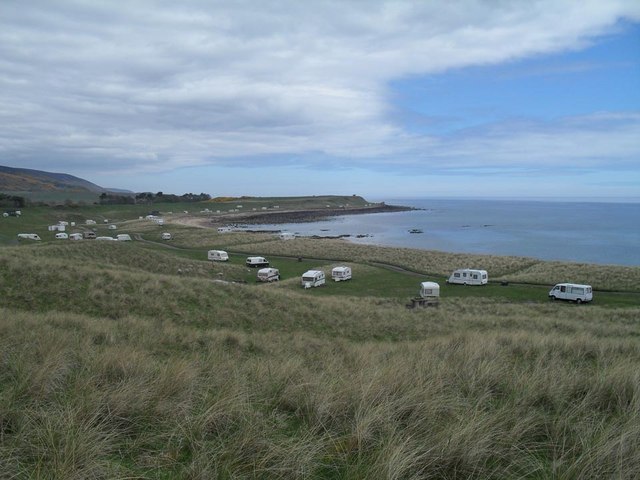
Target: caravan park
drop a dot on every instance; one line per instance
(166, 357)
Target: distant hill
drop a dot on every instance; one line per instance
(27, 180)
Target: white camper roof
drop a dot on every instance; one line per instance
(312, 273)
(429, 285)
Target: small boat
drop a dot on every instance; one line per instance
(415, 230)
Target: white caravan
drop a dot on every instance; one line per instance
(268, 275)
(217, 255)
(429, 290)
(112, 227)
(571, 291)
(29, 236)
(312, 278)
(287, 236)
(62, 236)
(257, 262)
(75, 236)
(123, 237)
(166, 236)
(468, 276)
(341, 273)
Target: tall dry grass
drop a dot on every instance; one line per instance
(87, 397)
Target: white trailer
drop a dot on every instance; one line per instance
(62, 236)
(166, 236)
(217, 255)
(112, 227)
(75, 236)
(341, 273)
(571, 291)
(429, 290)
(29, 236)
(268, 275)
(123, 237)
(257, 262)
(312, 278)
(469, 276)
(287, 236)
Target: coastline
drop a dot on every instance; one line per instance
(295, 216)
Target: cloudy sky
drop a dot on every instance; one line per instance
(386, 99)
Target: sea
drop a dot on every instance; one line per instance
(590, 232)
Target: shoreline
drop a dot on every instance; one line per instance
(294, 216)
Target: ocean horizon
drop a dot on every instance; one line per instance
(586, 232)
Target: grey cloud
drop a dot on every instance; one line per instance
(154, 85)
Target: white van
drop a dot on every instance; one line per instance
(257, 262)
(341, 273)
(312, 278)
(75, 236)
(123, 237)
(217, 255)
(166, 236)
(429, 290)
(62, 236)
(268, 275)
(571, 291)
(29, 236)
(468, 276)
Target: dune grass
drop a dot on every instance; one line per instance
(135, 360)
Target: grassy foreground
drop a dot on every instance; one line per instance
(135, 361)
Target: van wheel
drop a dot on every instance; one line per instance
(579, 301)
(552, 298)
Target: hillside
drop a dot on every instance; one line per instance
(142, 359)
(27, 180)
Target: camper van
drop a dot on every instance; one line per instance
(75, 236)
(62, 236)
(166, 236)
(257, 262)
(268, 275)
(341, 273)
(217, 255)
(571, 291)
(312, 278)
(468, 276)
(429, 290)
(89, 235)
(123, 237)
(29, 236)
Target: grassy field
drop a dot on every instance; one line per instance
(144, 360)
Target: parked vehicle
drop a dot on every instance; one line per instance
(123, 237)
(429, 290)
(62, 236)
(469, 276)
(572, 292)
(312, 278)
(217, 255)
(89, 235)
(167, 236)
(341, 273)
(268, 275)
(257, 262)
(75, 236)
(29, 236)
(106, 239)
(112, 227)
(287, 236)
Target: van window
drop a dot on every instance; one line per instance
(563, 288)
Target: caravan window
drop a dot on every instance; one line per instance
(457, 275)
(464, 274)
(484, 275)
(475, 276)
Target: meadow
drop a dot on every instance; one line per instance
(144, 360)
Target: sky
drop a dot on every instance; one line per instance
(385, 99)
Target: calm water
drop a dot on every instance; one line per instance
(605, 233)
